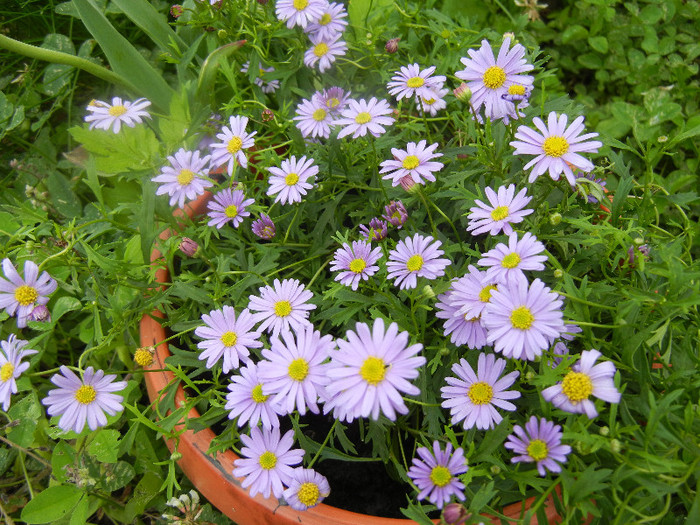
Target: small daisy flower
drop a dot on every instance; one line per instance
(324, 51)
(228, 206)
(355, 263)
(234, 140)
(414, 162)
(436, 474)
(334, 99)
(20, 295)
(539, 442)
(504, 208)
(104, 115)
(79, 401)
(369, 370)
(11, 366)
(523, 320)
(289, 181)
(410, 81)
(434, 101)
(314, 118)
(376, 231)
(227, 336)
(395, 213)
(473, 397)
(416, 257)
(264, 227)
(490, 77)
(362, 116)
(299, 12)
(556, 147)
(560, 349)
(307, 489)
(586, 379)
(293, 369)
(330, 23)
(267, 461)
(519, 98)
(473, 292)
(462, 329)
(247, 402)
(267, 86)
(505, 261)
(282, 306)
(184, 178)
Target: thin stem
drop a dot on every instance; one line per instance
(427, 209)
(583, 301)
(323, 445)
(26, 451)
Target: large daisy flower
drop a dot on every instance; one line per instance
(185, 178)
(282, 306)
(289, 181)
(20, 295)
(436, 474)
(363, 116)
(506, 260)
(324, 51)
(411, 81)
(233, 141)
(307, 489)
(228, 206)
(11, 367)
(355, 263)
(247, 402)
(540, 443)
(416, 257)
(414, 162)
(462, 329)
(104, 115)
(330, 23)
(299, 12)
(314, 118)
(504, 208)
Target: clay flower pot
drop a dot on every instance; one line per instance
(211, 473)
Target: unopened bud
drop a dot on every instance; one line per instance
(176, 11)
(454, 514)
(407, 182)
(662, 138)
(428, 291)
(176, 456)
(462, 92)
(40, 313)
(555, 219)
(558, 273)
(392, 46)
(604, 431)
(267, 115)
(638, 241)
(495, 469)
(530, 375)
(188, 247)
(445, 33)
(222, 34)
(615, 446)
(444, 351)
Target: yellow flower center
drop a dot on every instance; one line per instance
(415, 82)
(300, 4)
(429, 101)
(480, 393)
(85, 394)
(494, 77)
(143, 357)
(231, 211)
(234, 145)
(332, 102)
(373, 370)
(267, 460)
(516, 89)
(410, 162)
(320, 49)
(325, 19)
(185, 177)
(257, 395)
(414, 263)
(522, 318)
(298, 369)
(283, 308)
(537, 450)
(308, 494)
(6, 371)
(500, 213)
(555, 146)
(291, 179)
(117, 111)
(319, 115)
(440, 476)
(357, 265)
(261, 72)
(485, 293)
(363, 117)
(511, 260)
(26, 295)
(577, 386)
(229, 338)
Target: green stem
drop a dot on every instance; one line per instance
(583, 301)
(427, 209)
(323, 445)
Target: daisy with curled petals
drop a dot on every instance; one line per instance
(436, 474)
(185, 178)
(473, 397)
(234, 140)
(369, 371)
(264, 227)
(462, 329)
(375, 231)
(473, 292)
(434, 101)
(504, 208)
(288, 181)
(362, 116)
(416, 257)
(314, 118)
(505, 261)
(522, 320)
(586, 379)
(490, 77)
(355, 263)
(410, 81)
(299, 12)
(11, 366)
(395, 213)
(556, 147)
(20, 295)
(540, 443)
(330, 23)
(247, 402)
(227, 336)
(267, 86)
(414, 162)
(307, 489)
(293, 369)
(334, 99)
(267, 461)
(104, 115)
(324, 51)
(282, 306)
(228, 206)
(79, 401)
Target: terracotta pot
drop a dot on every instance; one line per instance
(211, 473)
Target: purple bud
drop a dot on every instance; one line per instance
(176, 11)
(264, 227)
(454, 514)
(188, 247)
(392, 46)
(40, 313)
(462, 92)
(377, 230)
(395, 213)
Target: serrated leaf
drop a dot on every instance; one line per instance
(51, 504)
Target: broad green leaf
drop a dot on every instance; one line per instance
(62, 455)
(27, 411)
(153, 23)
(105, 446)
(52, 504)
(599, 43)
(64, 305)
(132, 149)
(207, 74)
(62, 196)
(146, 489)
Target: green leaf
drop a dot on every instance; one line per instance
(359, 13)
(81, 512)
(52, 504)
(132, 149)
(62, 456)
(572, 33)
(651, 14)
(599, 43)
(62, 196)
(153, 23)
(623, 189)
(64, 305)
(207, 74)
(147, 489)
(27, 411)
(105, 446)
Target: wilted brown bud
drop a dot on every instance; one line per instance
(392, 46)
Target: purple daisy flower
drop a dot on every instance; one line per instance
(560, 349)
(314, 118)
(228, 206)
(282, 306)
(355, 263)
(395, 213)
(362, 116)
(434, 101)
(462, 329)
(473, 292)
(104, 115)
(267, 460)
(11, 366)
(20, 296)
(264, 227)
(289, 181)
(233, 141)
(376, 231)
(539, 442)
(247, 402)
(334, 99)
(506, 261)
(504, 208)
(78, 401)
(473, 397)
(184, 178)
(435, 474)
(519, 98)
(324, 51)
(307, 489)
(523, 320)
(294, 370)
(369, 370)
(330, 23)
(414, 162)
(416, 257)
(410, 81)
(586, 379)
(557, 148)
(299, 12)
(227, 336)
(267, 86)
